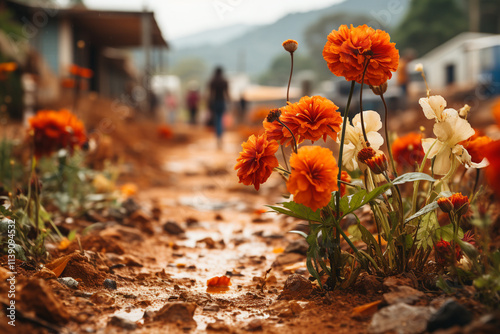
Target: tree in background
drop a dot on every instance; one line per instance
(429, 23)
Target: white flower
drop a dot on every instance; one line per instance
(445, 147)
(419, 67)
(354, 140)
(434, 107)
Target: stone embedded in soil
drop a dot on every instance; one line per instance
(122, 323)
(36, 296)
(176, 311)
(254, 325)
(402, 294)
(130, 206)
(286, 309)
(401, 318)
(367, 284)
(173, 228)
(110, 284)
(101, 297)
(70, 282)
(287, 258)
(450, 314)
(296, 287)
(211, 308)
(391, 283)
(299, 246)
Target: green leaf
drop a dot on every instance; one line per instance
(446, 232)
(428, 225)
(297, 210)
(426, 209)
(411, 177)
(349, 204)
(354, 232)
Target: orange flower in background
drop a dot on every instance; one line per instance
(81, 71)
(257, 161)
(290, 45)
(165, 132)
(6, 68)
(407, 150)
(475, 146)
(311, 118)
(314, 176)
(347, 49)
(496, 111)
(55, 130)
(460, 203)
(346, 178)
(492, 153)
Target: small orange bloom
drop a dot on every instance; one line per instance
(496, 111)
(378, 163)
(491, 152)
(257, 161)
(346, 178)
(165, 132)
(311, 118)
(366, 153)
(81, 71)
(407, 150)
(314, 176)
(54, 130)
(6, 68)
(460, 203)
(347, 49)
(445, 204)
(290, 45)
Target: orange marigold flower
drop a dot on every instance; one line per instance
(314, 176)
(311, 118)
(347, 49)
(346, 178)
(290, 45)
(366, 153)
(407, 150)
(491, 152)
(445, 204)
(257, 161)
(54, 130)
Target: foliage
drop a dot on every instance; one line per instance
(430, 23)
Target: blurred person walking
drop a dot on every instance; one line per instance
(171, 106)
(192, 101)
(218, 96)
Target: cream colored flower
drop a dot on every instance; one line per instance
(445, 147)
(434, 108)
(419, 67)
(354, 141)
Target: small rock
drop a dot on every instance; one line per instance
(367, 284)
(254, 325)
(176, 311)
(299, 246)
(287, 258)
(173, 228)
(394, 282)
(402, 294)
(401, 318)
(123, 323)
(70, 282)
(451, 313)
(218, 327)
(102, 297)
(212, 308)
(110, 284)
(190, 221)
(130, 206)
(296, 287)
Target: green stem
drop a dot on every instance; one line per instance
(417, 183)
(341, 149)
(367, 61)
(289, 79)
(389, 145)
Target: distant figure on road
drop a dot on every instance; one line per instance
(171, 106)
(404, 76)
(218, 96)
(192, 101)
(242, 109)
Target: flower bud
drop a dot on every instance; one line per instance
(273, 115)
(290, 45)
(366, 153)
(445, 204)
(460, 203)
(419, 67)
(464, 111)
(378, 164)
(379, 90)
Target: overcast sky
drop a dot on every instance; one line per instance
(179, 18)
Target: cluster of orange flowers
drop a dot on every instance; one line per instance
(359, 54)
(408, 150)
(55, 130)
